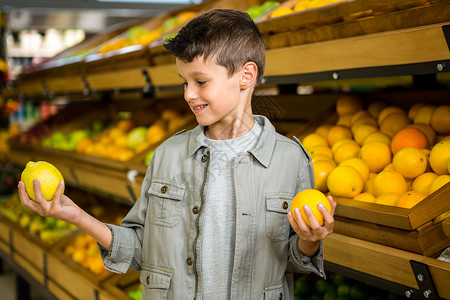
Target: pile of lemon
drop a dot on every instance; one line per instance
(383, 154)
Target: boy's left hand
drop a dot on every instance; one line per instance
(310, 237)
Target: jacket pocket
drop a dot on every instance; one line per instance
(155, 283)
(164, 202)
(277, 222)
(274, 291)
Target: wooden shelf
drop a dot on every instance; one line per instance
(384, 262)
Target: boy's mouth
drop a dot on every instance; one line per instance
(198, 108)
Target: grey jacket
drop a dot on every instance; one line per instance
(162, 233)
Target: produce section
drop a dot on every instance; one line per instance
(102, 147)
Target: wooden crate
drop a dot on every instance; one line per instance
(446, 226)
(5, 233)
(120, 285)
(29, 252)
(347, 19)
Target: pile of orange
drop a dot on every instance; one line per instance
(382, 153)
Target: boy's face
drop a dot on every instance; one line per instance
(213, 96)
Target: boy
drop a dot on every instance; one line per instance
(211, 219)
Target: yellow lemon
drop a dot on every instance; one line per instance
(312, 198)
(410, 162)
(422, 183)
(365, 197)
(360, 166)
(48, 176)
(345, 181)
(439, 156)
(438, 182)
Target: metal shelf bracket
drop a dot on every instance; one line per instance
(424, 280)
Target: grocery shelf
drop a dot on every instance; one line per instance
(384, 262)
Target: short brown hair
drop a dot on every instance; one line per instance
(229, 35)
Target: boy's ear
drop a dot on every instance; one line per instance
(249, 74)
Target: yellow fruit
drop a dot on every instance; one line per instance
(337, 133)
(389, 110)
(375, 108)
(301, 5)
(377, 155)
(363, 121)
(389, 182)
(410, 162)
(427, 130)
(344, 120)
(440, 119)
(368, 186)
(362, 114)
(387, 199)
(393, 123)
(365, 197)
(423, 114)
(323, 130)
(348, 104)
(422, 183)
(439, 156)
(320, 149)
(319, 157)
(409, 199)
(413, 110)
(312, 198)
(281, 11)
(377, 137)
(438, 182)
(360, 165)
(322, 169)
(346, 151)
(48, 176)
(363, 131)
(340, 143)
(313, 139)
(345, 181)
(389, 167)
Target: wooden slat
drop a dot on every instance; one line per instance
(164, 75)
(120, 79)
(446, 226)
(68, 83)
(58, 292)
(28, 249)
(37, 274)
(383, 49)
(371, 258)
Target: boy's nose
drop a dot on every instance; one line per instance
(189, 93)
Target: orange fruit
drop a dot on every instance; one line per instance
(393, 123)
(410, 162)
(125, 125)
(319, 157)
(365, 197)
(409, 199)
(323, 130)
(387, 111)
(427, 130)
(377, 155)
(360, 165)
(413, 110)
(409, 137)
(423, 114)
(422, 183)
(320, 149)
(359, 115)
(440, 119)
(281, 11)
(368, 186)
(83, 144)
(377, 137)
(340, 143)
(389, 167)
(345, 181)
(375, 108)
(346, 151)
(313, 139)
(348, 104)
(363, 131)
(439, 156)
(363, 121)
(387, 199)
(337, 133)
(322, 169)
(312, 198)
(438, 182)
(448, 166)
(344, 120)
(389, 182)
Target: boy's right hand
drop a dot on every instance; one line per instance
(61, 206)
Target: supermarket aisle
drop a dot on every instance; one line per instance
(8, 286)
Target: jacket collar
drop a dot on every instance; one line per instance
(262, 151)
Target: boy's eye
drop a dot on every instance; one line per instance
(201, 82)
(184, 84)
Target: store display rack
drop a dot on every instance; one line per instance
(354, 40)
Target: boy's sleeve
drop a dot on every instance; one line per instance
(298, 261)
(126, 245)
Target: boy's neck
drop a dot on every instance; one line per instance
(230, 129)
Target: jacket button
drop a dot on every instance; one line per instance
(195, 210)
(189, 261)
(280, 296)
(285, 205)
(204, 158)
(164, 189)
